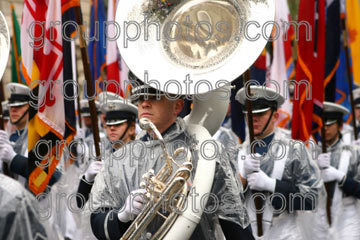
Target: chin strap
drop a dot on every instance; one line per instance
(16, 122)
(266, 125)
(127, 129)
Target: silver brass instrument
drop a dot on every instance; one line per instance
(174, 56)
(161, 189)
(169, 183)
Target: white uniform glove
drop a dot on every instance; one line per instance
(4, 136)
(324, 160)
(7, 152)
(93, 170)
(261, 182)
(332, 174)
(135, 202)
(250, 165)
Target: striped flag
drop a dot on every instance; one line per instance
(43, 60)
(282, 60)
(307, 110)
(112, 54)
(353, 28)
(16, 74)
(97, 44)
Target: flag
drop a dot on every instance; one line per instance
(97, 44)
(16, 75)
(258, 69)
(124, 71)
(43, 60)
(353, 29)
(68, 16)
(282, 61)
(342, 86)
(307, 110)
(112, 54)
(332, 48)
(288, 39)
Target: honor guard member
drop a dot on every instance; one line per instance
(279, 169)
(18, 105)
(340, 168)
(116, 194)
(120, 129)
(13, 149)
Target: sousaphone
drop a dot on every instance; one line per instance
(193, 47)
(4, 44)
(4, 55)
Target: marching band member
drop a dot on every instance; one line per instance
(116, 193)
(340, 168)
(280, 169)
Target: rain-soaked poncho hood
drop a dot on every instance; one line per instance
(122, 174)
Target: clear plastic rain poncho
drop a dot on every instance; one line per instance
(20, 146)
(298, 168)
(120, 176)
(225, 136)
(345, 212)
(19, 216)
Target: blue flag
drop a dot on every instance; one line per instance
(97, 44)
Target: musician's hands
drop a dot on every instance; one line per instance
(261, 182)
(134, 204)
(251, 164)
